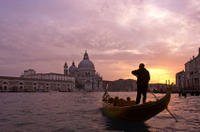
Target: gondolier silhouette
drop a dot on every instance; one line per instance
(143, 78)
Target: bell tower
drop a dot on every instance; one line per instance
(65, 69)
(199, 51)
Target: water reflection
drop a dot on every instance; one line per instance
(81, 112)
(112, 124)
(125, 126)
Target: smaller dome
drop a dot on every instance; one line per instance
(73, 68)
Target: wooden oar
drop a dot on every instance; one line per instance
(166, 108)
(107, 87)
(106, 91)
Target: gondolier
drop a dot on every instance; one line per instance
(128, 110)
(143, 78)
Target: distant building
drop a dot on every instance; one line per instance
(31, 81)
(21, 84)
(47, 76)
(121, 85)
(84, 77)
(158, 87)
(180, 83)
(161, 88)
(190, 79)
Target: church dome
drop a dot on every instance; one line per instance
(72, 68)
(86, 63)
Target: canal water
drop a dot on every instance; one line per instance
(81, 112)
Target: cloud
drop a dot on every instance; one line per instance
(117, 34)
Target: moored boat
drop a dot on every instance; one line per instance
(136, 112)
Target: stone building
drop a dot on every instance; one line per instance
(21, 84)
(121, 85)
(47, 76)
(86, 76)
(83, 77)
(190, 79)
(162, 88)
(180, 83)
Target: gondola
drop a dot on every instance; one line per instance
(136, 112)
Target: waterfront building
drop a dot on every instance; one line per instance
(124, 85)
(190, 79)
(158, 87)
(84, 77)
(46, 76)
(162, 88)
(180, 83)
(21, 84)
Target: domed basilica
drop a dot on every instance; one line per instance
(86, 77)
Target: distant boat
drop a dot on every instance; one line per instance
(137, 112)
(155, 91)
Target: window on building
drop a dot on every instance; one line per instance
(34, 88)
(5, 82)
(5, 87)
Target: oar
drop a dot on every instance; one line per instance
(106, 91)
(166, 108)
(107, 87)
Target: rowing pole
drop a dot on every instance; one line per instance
(166, 108)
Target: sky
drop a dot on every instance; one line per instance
(117, 34)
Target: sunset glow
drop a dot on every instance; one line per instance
(118, 36)
(161, 75)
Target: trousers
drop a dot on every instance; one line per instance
(141, 90)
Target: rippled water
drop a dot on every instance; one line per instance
(81, 112)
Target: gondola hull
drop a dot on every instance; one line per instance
(137, 113)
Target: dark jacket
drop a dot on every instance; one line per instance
(142, 75)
